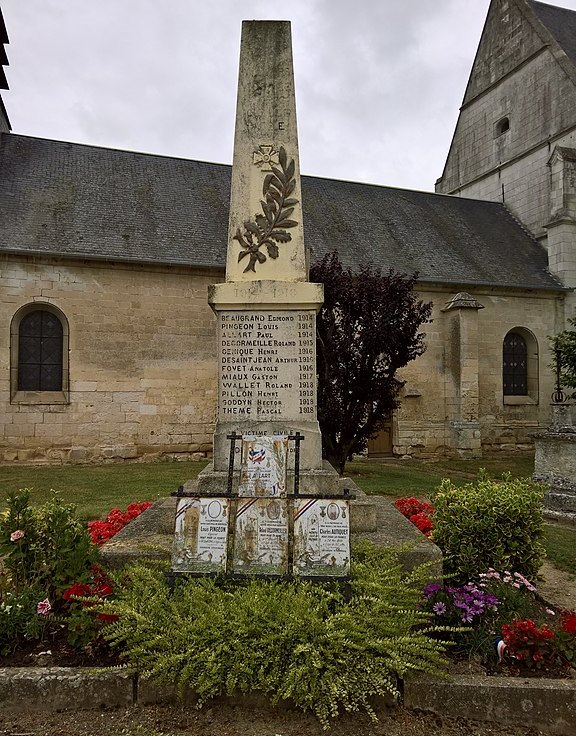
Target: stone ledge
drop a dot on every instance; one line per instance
(51, 689)
(544, 704)
(549, 705)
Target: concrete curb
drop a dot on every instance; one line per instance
(548, 705)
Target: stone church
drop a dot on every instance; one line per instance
(107, 342)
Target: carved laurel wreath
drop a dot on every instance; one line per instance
(269, 228)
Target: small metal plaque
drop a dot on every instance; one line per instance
(201, 535)
(261, 537)
(321, 537)
(263, 468)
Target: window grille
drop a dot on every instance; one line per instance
(40, 350)
(515, 365)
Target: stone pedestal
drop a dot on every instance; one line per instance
(462, 393)
(555, 463)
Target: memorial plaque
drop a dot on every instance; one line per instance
(261, 537)
(201, 535)
(263, 469)
(267, 365)
(321, 537)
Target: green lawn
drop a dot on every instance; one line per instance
(415, 478)
(96, 489)
(560, 543)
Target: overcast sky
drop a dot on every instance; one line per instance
(378, 82)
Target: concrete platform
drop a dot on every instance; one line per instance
(375, 518)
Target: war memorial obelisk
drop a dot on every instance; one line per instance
(266, 309)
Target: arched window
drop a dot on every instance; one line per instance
(520, 367)
(39, 355)
(515, 365)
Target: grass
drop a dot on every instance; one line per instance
(414, 478)
(560, 544)
(96, 489)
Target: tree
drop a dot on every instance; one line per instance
(566, 341)
(366, 330)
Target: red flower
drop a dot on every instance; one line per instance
(77, 590)
(422, 521)
(569, 622)
(101, 531)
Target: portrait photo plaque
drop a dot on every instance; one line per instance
(261, 537)
(321, 537)
(201, 535)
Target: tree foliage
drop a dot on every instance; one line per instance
(366, 330)
(566, 341)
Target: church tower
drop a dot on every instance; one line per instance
(515, 139)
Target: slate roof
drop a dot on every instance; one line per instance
(561, 22)
(74, 200)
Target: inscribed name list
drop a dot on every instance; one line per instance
(261, 536)
(201, 535)
(321, 537)
(267, 367)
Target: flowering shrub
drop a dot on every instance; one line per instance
(83, 626)
(566, 637)
(463, 604)
(418, 512)
(532, 645)
(44, 547)
(101, 531)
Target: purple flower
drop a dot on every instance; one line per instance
(431, 589)
(439, 608)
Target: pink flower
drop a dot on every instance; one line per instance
(44, 607)
(15, 536)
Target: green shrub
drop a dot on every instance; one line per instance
(19, 618)
(326, 651)
(489, 523)
(44, 547)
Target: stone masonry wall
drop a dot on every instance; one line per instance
(143, 366)
(422, 425)
(142, 362)
(540, 101)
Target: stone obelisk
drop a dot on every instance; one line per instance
(266, 309)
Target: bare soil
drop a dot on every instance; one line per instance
(243, 721)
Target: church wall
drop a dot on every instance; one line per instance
(143, 366)
(142, 362)
(434, 400)
(540, 101)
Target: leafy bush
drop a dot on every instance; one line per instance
(46, 547)
(19, 618)
(487, 524)
(326, 651)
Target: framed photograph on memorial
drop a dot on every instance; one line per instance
(201, 535)
(321, 537)
(263, 466)
(261, 537)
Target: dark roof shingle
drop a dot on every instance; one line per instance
(74, 200)
(561, 22)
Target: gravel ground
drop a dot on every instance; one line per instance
(242, 721)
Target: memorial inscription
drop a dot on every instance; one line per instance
(267, 365)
